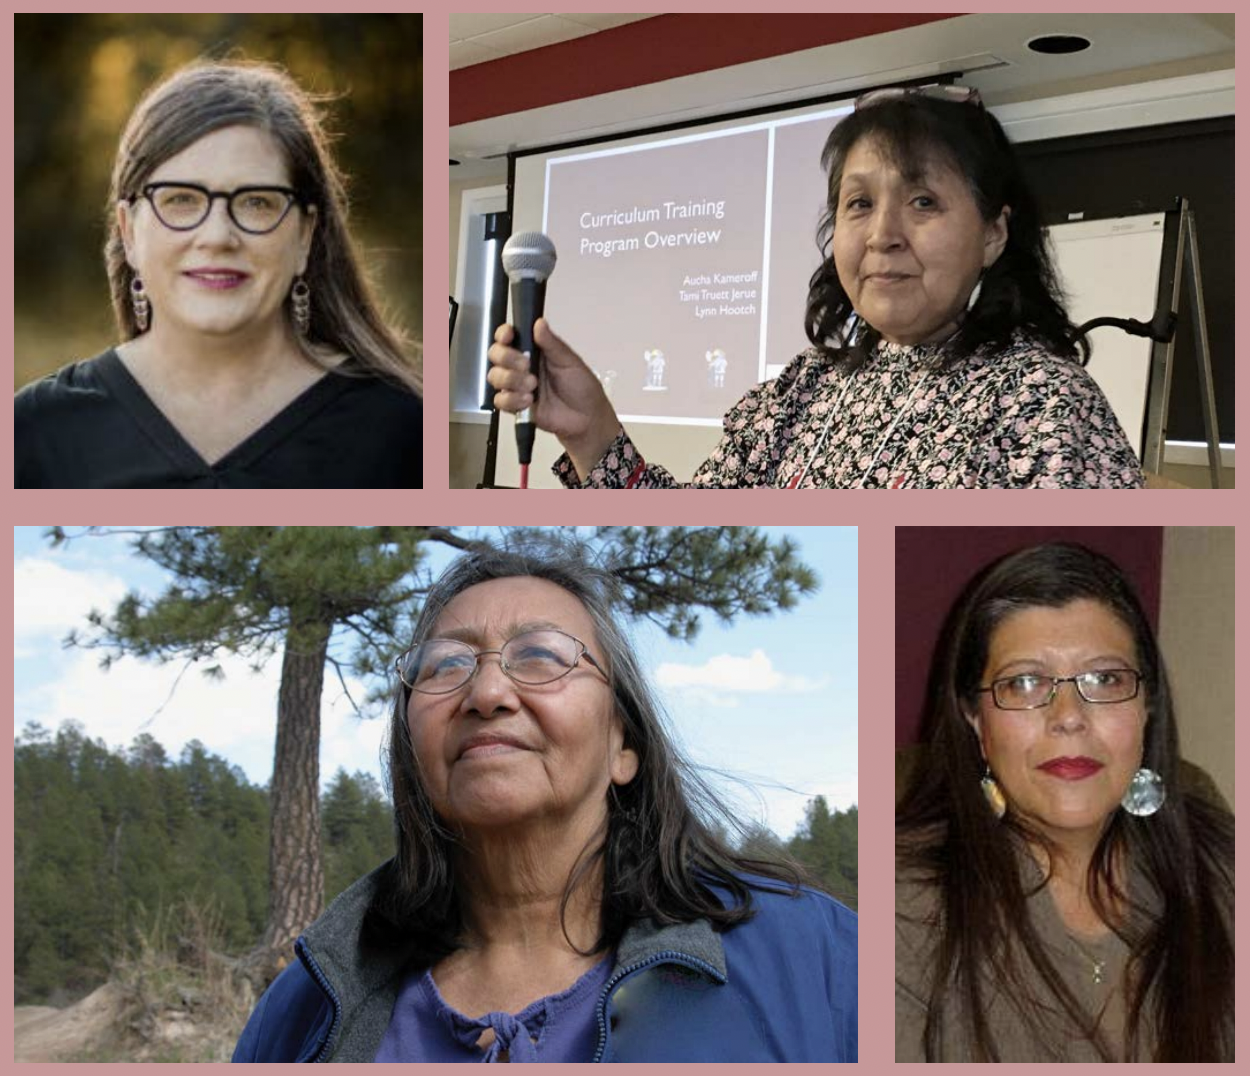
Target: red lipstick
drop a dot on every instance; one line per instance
(1071, 769)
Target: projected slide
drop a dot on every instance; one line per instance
(684, 263)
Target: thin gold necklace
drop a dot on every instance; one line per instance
(1098, 968)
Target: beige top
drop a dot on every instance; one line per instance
(1100, 990)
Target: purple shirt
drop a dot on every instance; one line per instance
(561, 1027)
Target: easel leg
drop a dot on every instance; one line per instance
(1202, 351)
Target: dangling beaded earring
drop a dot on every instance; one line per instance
(301, 304)
(1145, 793)
(139, 303)
(993, 794)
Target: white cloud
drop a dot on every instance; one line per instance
(346, 739)
(49, 599)
(234, 717)
(728, 672)
(711, 700)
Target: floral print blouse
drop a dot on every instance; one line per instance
(1019, 418)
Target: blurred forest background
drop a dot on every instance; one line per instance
(116, 845)
(77, 79)
(118, 851)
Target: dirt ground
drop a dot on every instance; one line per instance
(97, 1028)
(41, 1033)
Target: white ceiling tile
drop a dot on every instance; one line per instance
(605, 22)
(534, 34)
(573, 26)
(462, 26)
(466, 53)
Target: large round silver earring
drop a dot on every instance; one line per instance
(1145, 793)
(301, 305)
(993, 794)
(140, 305)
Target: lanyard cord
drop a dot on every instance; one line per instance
(893, 426)
(797, 480)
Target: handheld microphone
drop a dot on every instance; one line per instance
(528, 259)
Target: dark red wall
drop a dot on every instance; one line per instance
(653, 50)
(933, 564)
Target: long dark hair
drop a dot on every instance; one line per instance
(1019, 292)
(206, 96)
(660, 849)
(1180, 977)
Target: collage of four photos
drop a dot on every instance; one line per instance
(557, 789)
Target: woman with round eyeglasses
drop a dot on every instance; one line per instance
(253, 351)
(555, 894)
(1065, 884)
(942, 356)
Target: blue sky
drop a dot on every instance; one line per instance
(766, 706)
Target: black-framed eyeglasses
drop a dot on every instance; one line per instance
(959, 94)
(184, 206)
(439, 666)
(1032, 691)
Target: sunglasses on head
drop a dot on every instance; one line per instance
(959, 94)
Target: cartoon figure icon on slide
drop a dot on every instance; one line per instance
(717, 364)
(654, 358)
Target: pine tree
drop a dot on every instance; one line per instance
(109, 842)
(356, 828)
(254, 590)
(760, 842)
(827, 844)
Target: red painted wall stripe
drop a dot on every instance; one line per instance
(659, 48)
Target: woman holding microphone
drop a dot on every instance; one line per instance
(942, 356)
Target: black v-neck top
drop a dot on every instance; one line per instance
(91, 426)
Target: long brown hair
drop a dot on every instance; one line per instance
(1180, 972)
(206, 96)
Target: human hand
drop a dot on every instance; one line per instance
(571, 404)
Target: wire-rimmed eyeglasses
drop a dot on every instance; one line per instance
(184, 206)
(1032, 691)
(440, 666)
(959, 94)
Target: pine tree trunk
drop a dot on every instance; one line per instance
(295, 879)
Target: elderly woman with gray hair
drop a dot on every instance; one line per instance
(253, 351)
(557, 892)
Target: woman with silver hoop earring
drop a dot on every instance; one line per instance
(1064, 884)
